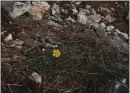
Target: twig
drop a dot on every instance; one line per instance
(102, 57)
(10, 88)
(93, 73)
(51, 84)
(14, 85)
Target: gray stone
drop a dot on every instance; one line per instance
(83, 11)
(75, 11)
(43, 50)
(70, 19)
(88, 22)
(15, 8)
(64, 11)
(100, 32)
(110, 28)
(31, 42)
(17, 42)
(87, 6)
(51, 38)
(95, 25)
(105, 10)
(115, 86)
(8, 38)
(52, 23)
(102, 25)
(48, 45)
(121, 45)
(92, 11)
(122, 35)
(94, 18)
(55, 18)
(55, 10)
(109, 18)
(81, 18)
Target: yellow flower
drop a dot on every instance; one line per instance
(56, 53)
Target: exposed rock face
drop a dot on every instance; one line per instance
(16, 9)
(85, 16)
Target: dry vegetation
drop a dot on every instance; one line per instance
(86, 62)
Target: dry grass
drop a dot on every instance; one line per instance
(86, 60)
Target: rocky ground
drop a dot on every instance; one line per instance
(91, 36)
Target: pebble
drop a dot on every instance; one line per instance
(105, 10)
(55, 9)
(36, 78)
(81, 18)
(87, 6)
(48, 45)
(52, 23)
(124, 35)
(18, 42)
(110, 28)
(18, 47)
(78, 3)
(3, 32)
(70, 19)
(75, 11)
(43, 49)
(94, 12)
(8, 38)
(109, 18)
(84, 11)
(94, 18)
(55, 18)
(102, 25)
